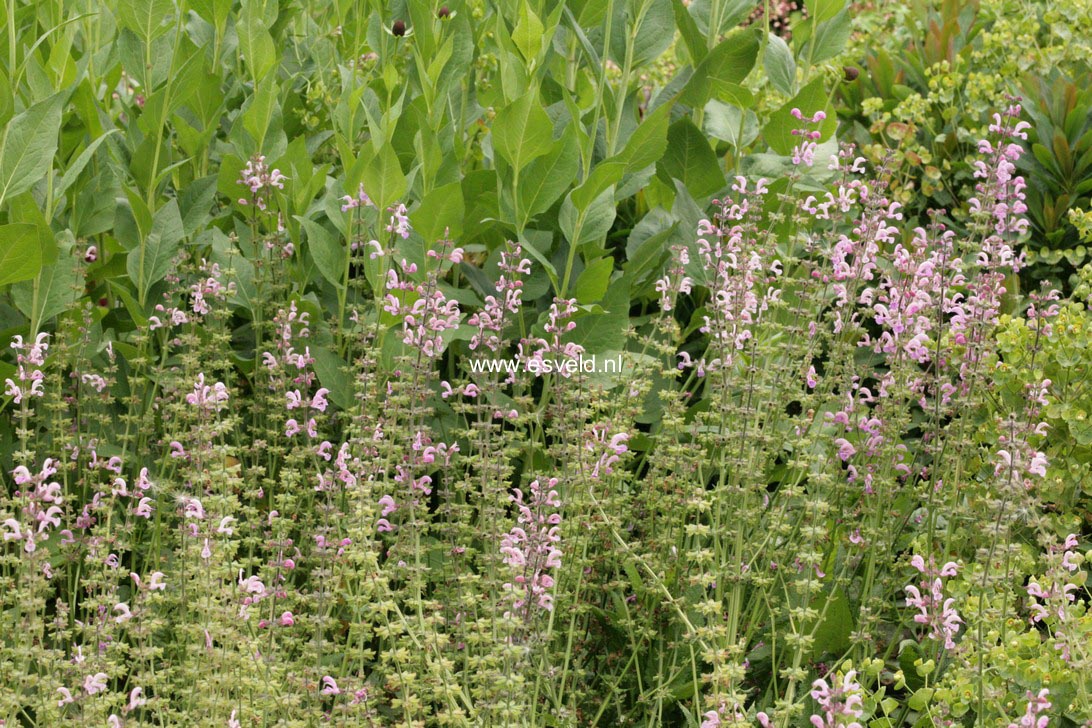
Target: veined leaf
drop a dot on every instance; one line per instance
(548, 177)
(383, 178)
(147, 265)
(522, 131)
(327, 251)
(147, 18)
(20, 253)
(442, 209)
(690, 160)
(27, 147)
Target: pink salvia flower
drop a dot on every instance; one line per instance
(1036, 704)
(934, 610)
(841, 705)
(96, 683)
(530, 548)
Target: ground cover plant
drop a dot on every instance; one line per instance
(544, 363)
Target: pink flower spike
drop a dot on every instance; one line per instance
(330, 686)
(96, 683)
(136, 699)
(845, 449)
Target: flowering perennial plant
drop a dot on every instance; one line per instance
(276, 501)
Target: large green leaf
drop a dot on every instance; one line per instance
(780, 65)
(522, 131)
(262, 120)
(330, 369)
(7, 99)
(691, 36)
(548, 177)
(727, 64)
(649, 25)
(830, 38)
(606, 331)
(832, 634)
(812, 98)
(583, 226)
(147, 18)
(591, 284)
(605, 174)
(326, 250)
(384, 180)
(822, 10)
(24, 208)
(690, 160)
(440, 210)
(28, 144)
(150, 263)
(20, 253)
(58, 287)
(529, 32)
(255, 42)
(73, 172)
(648, 142)
(730, 123)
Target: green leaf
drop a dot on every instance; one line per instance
(528, 32)
(20, 253)
(920, 700)
(648, 142)
(603, 175)
(733, 93)
(832, 634)
(692, 37)
(255, 42)
(147, 18)
(728, 63)
(73, 172)
(548, 177)
(522, 131)
(27, 147)
(330, 369)
(823, 10)
(730, 124)
(24, 208)
(383, 178)
(148, 265)
(780, 65)
(690, 160)
(58, 288)
(732, 13)
(591, 224)
(262, 116)
(812, 98)
(601, 332)
(326, 250)
(440, 210)
(649, 24)
(7, 100)
(195, 203)
(592, 283)
(537, 243)
(830, 38)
